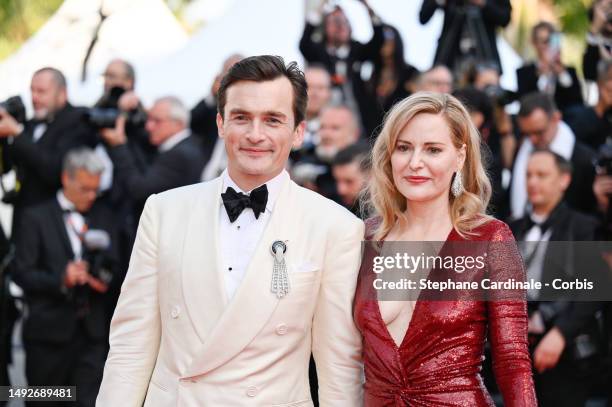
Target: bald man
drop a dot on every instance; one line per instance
(37, 147)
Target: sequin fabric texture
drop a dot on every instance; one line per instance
(439, 360)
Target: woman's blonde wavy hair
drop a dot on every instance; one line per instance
(382, 198)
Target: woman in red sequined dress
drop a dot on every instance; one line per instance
(429, 184)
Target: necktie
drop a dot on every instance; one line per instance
(235, 202)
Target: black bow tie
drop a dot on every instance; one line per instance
(544, 226)
(235, 202)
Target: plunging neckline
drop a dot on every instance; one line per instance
(414, 310)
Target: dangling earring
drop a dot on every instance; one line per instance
(457, 184)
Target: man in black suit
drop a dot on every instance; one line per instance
(36, 149)
(339, 54)
(540, 123)
(180, 158)
(65, 262)
(563, 334)
(469, 29)
(548, 74)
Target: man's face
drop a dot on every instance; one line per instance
(319, 90)
(545, 183)
(160, 125)
(540, 127)
(337, 28)
(349, 182)
(116, 75)
(439, 80)
(47, 96)
(259, 129)
(338, 130)
(541, 42)
(81, 188)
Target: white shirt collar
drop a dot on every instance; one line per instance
(64, 203)
(564, 141)
(173, 140)
(274, 186)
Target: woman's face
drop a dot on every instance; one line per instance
(424, 159)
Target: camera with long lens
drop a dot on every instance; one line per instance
(105, 113)
(101, 118)
(15, 107)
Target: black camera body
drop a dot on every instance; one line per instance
(105, 113)
(104, 118)
(15, 107)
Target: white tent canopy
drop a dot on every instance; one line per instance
(275, 27)
(141, 31)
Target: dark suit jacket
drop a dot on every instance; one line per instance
(495, 13)
(181, 165)
(588, 127)
(39, 164)
(567, 225)
(42, 252)
(580, 195)
(527, 77)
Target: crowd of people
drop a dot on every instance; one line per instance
(84, 174)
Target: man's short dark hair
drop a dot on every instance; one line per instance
(564, 166)
(58, 76)
(263, 68)
(537, 100)
(358, 152)
(476, 100)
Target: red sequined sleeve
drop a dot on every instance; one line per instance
(507, 317)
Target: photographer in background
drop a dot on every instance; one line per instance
(337, 52)
(180, 159)
(598, 39)
(501, 139)
(118, 74)
(548, 74)
(593, 124)
(36, 148)
(65, 263)
(541, 125)
(469, 29)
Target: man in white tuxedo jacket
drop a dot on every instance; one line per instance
(198, 322)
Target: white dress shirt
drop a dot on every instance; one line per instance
(535, 252)
(74, 222)
(238, 240)
(562, 144)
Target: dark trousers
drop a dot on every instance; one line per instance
(79, 362)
